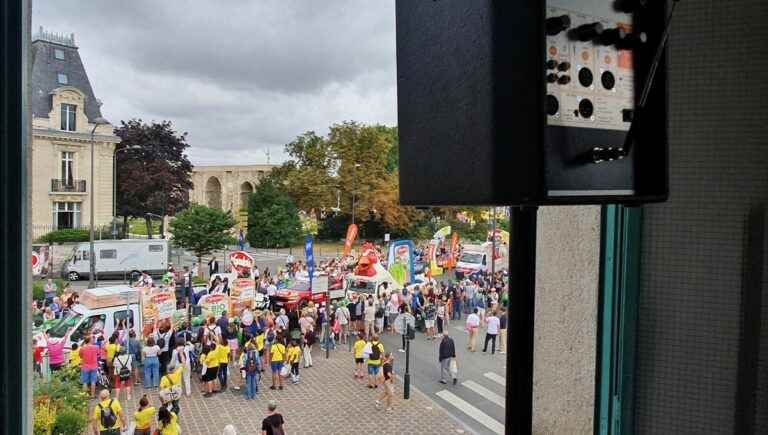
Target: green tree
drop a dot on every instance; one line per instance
(273, 219)
(202, 230)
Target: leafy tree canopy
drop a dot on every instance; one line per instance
(273, 219)
(202, 229)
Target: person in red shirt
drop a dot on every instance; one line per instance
(37, 355)
(89, 363)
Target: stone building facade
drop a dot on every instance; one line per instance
(227, 186)
(64, 110)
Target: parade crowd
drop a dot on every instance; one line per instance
(269, 351)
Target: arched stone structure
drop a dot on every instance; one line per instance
(213, 192)
(235, 183)
(246, 189)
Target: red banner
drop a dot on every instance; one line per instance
(351, 235)
(452, 252)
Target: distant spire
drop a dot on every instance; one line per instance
(267, 153)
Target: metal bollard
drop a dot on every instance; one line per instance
(45, 367)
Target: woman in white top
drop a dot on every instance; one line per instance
(181, 355)
(151, 352)
(123, 364)
(369, 314)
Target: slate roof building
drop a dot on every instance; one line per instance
(64, 111)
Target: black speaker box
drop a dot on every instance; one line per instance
(488, 115)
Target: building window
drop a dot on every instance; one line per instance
(67, 163)
(63, 79)
(68, 116)
(58, 53)
(155, 248)
(66, 215)
(108, 254)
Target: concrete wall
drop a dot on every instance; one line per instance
(567, 270)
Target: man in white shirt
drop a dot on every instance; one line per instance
(342, 314)
(282, 321)
(271, 292)
(472, 325)
(490, 334)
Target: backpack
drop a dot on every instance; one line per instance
(380, 312)
(251, 362)
(124, 373)
(107, 416)
(375, 352)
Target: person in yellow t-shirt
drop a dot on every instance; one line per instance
(107, 409)
(223, 351)
(359, 356)
(374, 361)
(210, 359)
(293, 356)
(277, 357)
(74, 356)
(167, 422)
(111, 349)
(143, 417)
(170, 387)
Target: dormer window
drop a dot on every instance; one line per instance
(63, 79)
(68, 117)
(58, 53)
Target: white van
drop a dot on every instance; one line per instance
(118, 258)
(477, 258)
(101, 311)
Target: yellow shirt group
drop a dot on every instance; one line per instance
(172, 428)
(376, 362)
(111, 349)
(143, 418)
(173, 378)
(116, 408)
(277, 351)
(260, 342)
(294, 352)
(211, 359)
(223, 352)
(358, 347)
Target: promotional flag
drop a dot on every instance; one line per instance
(442, 233)
(310, 257)
(454, 247)
(351, 234)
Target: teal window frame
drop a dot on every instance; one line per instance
(617, 319)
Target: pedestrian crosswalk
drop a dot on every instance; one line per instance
(467, 397)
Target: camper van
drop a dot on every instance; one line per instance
(477, 258)
(100, 311)
(118, 258)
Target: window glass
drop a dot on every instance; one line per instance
(155, 248)
(68, 112)
(63, 79)
(108, 254)
(123, 319)
(58, 53)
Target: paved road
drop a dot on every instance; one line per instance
(478, 398)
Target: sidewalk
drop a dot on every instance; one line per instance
(327, 401)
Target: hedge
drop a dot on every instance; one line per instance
(65, 235)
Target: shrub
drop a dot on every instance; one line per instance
(65, 235)
(37, 288)
(198, 280)
(69, 421)
(43, 417)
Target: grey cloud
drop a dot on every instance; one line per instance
(238, 76)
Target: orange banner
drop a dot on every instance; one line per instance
(351, 235)
(452, 252)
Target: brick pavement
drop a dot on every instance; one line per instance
(327, 401)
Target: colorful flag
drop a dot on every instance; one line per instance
(351, 234)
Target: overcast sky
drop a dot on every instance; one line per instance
(240, 76)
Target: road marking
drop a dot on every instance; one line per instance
(463, 406)
(496, 378)
(488, 394)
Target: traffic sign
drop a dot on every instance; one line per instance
(403, 320)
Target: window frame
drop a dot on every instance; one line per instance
(112, 252)
(64, 76)
(56, 52)
(68, 113)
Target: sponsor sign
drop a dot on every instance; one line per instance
(157, 304)
(214, 304)
(242, 294)
(241, 263)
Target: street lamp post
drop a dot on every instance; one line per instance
(92, 255)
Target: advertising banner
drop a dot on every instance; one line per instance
(442, 233)
(241, 263)
(242, 295)
(157, 305)
(215, 304)
(310, 258)
(454, 250)
(401, 261)
(351, 235)
(41, 260)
